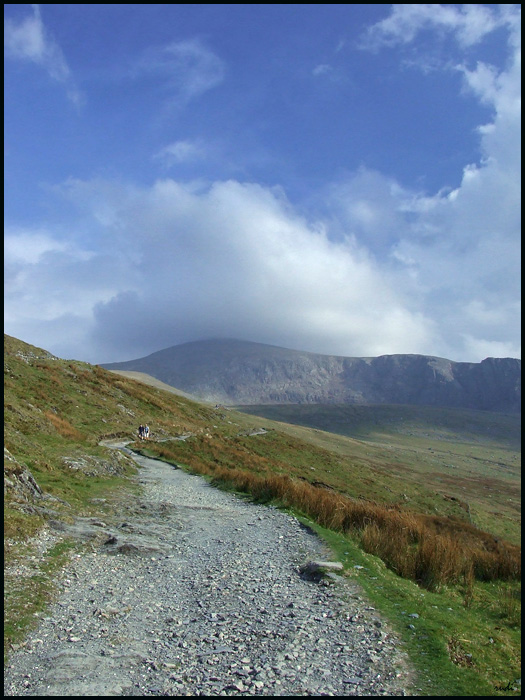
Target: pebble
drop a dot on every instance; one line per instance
(189, 600)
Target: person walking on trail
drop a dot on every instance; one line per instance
(146, 432)
(141, 432)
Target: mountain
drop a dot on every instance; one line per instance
(235, 372)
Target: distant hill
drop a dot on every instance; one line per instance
(242, 373)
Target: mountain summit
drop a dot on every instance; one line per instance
(239, 373)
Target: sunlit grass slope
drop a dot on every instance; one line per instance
(467, 462)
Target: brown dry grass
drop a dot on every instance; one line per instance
(64, 427)
(431, 550)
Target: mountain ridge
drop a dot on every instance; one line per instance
(238, 372)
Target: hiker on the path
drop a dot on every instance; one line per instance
(141, 432)
(146, 432)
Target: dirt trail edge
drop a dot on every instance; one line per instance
(193, 591)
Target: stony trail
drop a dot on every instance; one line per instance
(193, 591)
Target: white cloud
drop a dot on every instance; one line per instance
(28, 40)
(185, 69)
(476, 347)
(229, 260)
(235, 259)
(462, 249)
(187, 151)
(51, 288)
(322, 69)
(28, 247)
(468, 23)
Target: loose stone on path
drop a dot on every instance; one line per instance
(197, 592)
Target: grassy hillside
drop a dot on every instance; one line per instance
(56, 412)
(364, 496)
(448, 461)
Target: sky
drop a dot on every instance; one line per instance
(341, 179)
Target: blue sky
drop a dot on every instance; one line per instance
(342, 179)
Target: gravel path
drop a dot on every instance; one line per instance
(197, 592)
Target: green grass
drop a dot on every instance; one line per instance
(27, 597)
(462, 642)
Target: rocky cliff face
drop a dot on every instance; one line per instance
(242, 373)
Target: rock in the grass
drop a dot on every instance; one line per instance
(317, 569)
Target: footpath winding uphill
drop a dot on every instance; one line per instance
(197, 592)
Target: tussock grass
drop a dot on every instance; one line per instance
(457, 649)
(64, 427)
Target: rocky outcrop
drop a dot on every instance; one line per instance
(97, 466)
(19, 483)
(242, 373)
